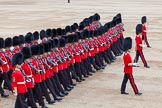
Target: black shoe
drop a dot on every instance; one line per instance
(65, 92)
(103, 67)
(86, 76)
(125, 93)
(93, 71)
(5, 87)
(4, 95)
(78, 80)
(138, 94)
(82, 79)
(61, 94)
(149, 46)
(90, 74)
(58, 98)
(73, 84)
(70, 86)
(147, 66)
(44, 106)
(68, 89)
(51, 102)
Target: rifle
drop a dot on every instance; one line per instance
(40, 67)
(51, 61)
(7, 56)
(33, 67)
(74, 50)
(1, 61)
(58, 59)
(47, 66)
(24, 74)
(66, 55)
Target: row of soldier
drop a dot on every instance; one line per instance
(49, 67)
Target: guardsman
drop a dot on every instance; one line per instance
(22, 42)
(29, 39)
(43, 36)
(128, 71)
(36, 38)
(26, 51)
(18, 81)
(16, 43)
(37, 76)
(48, 64)
(4, 68)
(8, 54)
(144, 31)
(140, 46)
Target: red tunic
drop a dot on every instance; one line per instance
(60, 65)
(18, 81)
(43, 77)
(127, 59)
(36, 76)
(54, 68)
(143, 30)
(28, 71)
(8, 53)
(4, 67)
(138, 42)
(77, 56)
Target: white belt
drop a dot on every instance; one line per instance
(21, 82)
(29, 76)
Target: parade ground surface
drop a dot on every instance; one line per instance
(102, 90)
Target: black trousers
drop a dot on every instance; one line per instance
(57, 82)
(20, 101)
(45, 90)
(30, 98)
(6, 80)
(140, 53)
(125, 80)
(38, 94)
(9, 77)
(1, 80)
(51, 87)
(78, 69)
(92, 61)
(146, 41)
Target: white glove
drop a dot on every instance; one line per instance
(15, 94)
(143, 45)
(135, 64)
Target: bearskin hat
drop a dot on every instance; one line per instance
(43, 34)
(8, 42)
(127, 44)
(58, 31)
(81, 26)
(143, 19)
(36, 35)
(46, 46)
(138, 29)
(41, 49)
(68, 29)
(22, 39)
(96, 17)
(62, 42)
(75, 36)
(16, 41)
(63, 32)
(34, 49)
(85, 34)
(70, 38)
(29, 37)
(76, 25)
(49, 32)
(54, 33)
(73, 29)
(26, 51)
(56, 42)
(2, 43)
(17, 59)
